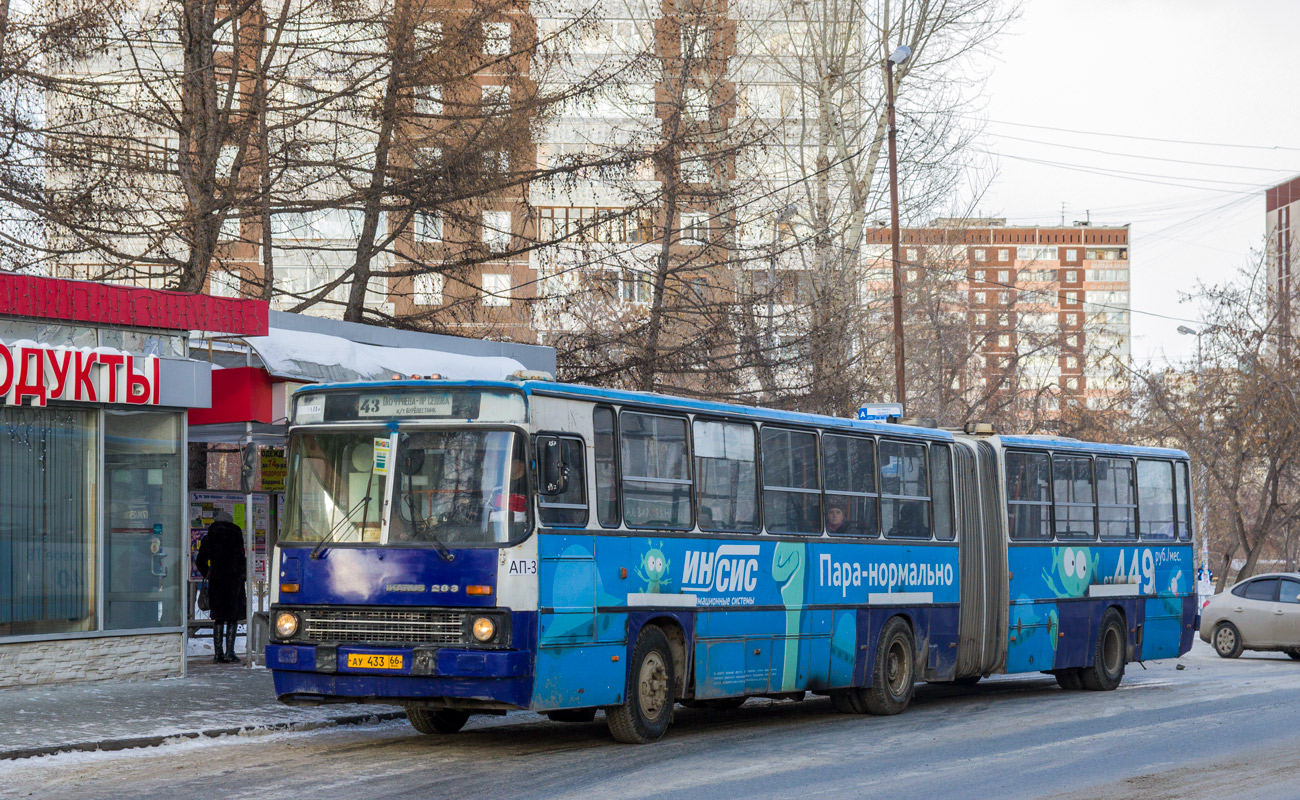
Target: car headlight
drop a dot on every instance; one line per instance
(286, 624)
(484, 629)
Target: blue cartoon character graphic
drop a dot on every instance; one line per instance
(654, 570)
(1075, 566)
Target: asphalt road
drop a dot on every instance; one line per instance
(1214, 729)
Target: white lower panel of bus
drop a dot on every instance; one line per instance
(900, 598)
(661, 599)
(1114, 590)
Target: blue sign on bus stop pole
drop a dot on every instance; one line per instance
(880, 412)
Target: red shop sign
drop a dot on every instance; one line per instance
(85, 376)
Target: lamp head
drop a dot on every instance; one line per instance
(1186, 331)
(900, 55)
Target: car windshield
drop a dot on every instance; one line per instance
(336, 492)
(459, 487)
(452, 487)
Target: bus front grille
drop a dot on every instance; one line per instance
(380, 626)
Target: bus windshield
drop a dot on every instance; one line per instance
(452, 487)
(460, 487)
(336, 492)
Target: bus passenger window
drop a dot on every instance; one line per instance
(945, 527)
(791, 496)
(1184, 502)
(726, 476)
(606, 467)
(1116, 511)
(904, 491)
(1156, 499)
(1029, 498)
(656, 471)
(1076, 510)
(849, 464)
(570, 507)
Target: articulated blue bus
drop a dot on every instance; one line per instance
(477, 547)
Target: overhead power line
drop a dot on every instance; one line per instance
(1275, 147)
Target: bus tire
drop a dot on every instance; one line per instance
(436, 720)
(1108, 657)
(893, 679)
(572, 715)
(848, 701)
(1293, 653)
(647, 706)
(1227, 640)
(1068, 679)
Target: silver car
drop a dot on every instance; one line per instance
(1261, 613)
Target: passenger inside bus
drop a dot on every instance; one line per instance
(836, 520)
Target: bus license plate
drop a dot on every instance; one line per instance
(361, 661)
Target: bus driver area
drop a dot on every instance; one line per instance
(564, 549)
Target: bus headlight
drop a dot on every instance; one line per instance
(286, 624)
(484, 629)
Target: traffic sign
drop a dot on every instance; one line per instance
(880, 412)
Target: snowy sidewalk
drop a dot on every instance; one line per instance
(212, 700)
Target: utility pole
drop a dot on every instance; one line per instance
(900, 379)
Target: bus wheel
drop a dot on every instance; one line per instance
(648, 705)
(1107, 668)
(848, 701)
(1068, 679)
(572, 714)
(894, 677)
(1293, 653)
(436, 720)
(1227, 640)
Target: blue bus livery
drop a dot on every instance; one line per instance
(476, 547)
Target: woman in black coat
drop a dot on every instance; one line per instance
(221, 560)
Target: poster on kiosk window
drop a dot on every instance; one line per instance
(204, 507)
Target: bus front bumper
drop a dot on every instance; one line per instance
(306, 673)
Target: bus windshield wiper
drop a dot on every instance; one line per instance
(422, 528)
(338, 526)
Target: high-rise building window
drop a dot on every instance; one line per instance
(428, 100)
(496, 38)
(496, 289)
(428, 289)
(981, 255)
(428, 226)
(695, 228)
(496, 230)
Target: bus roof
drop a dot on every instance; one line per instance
(1062, 443)
(648, 399)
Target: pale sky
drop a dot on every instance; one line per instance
(1205, 71)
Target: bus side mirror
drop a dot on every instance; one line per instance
(554, 472)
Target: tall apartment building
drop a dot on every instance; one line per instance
(1048, 307)
(1282, 250)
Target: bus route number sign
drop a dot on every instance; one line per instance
(414, 404)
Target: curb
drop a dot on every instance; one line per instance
(109, 745)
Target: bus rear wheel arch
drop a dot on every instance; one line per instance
(1110, 654)
(647, 705)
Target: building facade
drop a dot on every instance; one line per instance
(1281, 206)
(1047, 308)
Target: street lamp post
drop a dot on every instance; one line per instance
(896, 58)
(1200, 431)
